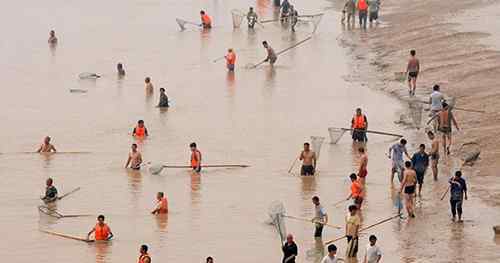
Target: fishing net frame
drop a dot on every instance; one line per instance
(335, 134)
(237, 16)
(277, 214)
(312, 19)
(316, 143)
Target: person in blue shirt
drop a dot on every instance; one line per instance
(420, 162)
(458, 191)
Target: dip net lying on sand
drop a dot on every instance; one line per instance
(237, 16)
(276, 213)
(316, 142)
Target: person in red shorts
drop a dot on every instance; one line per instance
(363, 164)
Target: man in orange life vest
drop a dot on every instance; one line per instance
(230, 59)
(140, 130)
(359, 125)
(195, 158)
(101, 230)
(356, 191)
(206, 21)
(162, 205)
(144, 256)
(362, 12)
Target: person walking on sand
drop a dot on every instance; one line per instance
(363, 165)
(195, 158)
(396, 155)
(163, 103)
(373, 253)
(143, 255)
(359, 125)
(271, 55)
(458, 191)
(412, 69)
(134, 158)
(102, 232)
(308, 159)
(148, 85)
(436, 101)
(408, 186)
(161, 205)
(206, 20)
(230, 59)
(362, 13)
(252, 18)
(50, 191)
(120, 69)
(332, 255)
(46, 146)
(350, 10)
(373, 7)
(356, 191)
(290, 250)
(320, 218)
(140, 130)
(52, 37)
(434, 153)
(445, 119)
(353, 222)
(420, 162)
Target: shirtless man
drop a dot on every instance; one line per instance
(445, 120)
(134, 158)
(308, 159)
(271, 55)
(52, 37)
(434, 153)
(408, 186)
(363, 165)
(46, 147)
(412, 69)
(149, 85)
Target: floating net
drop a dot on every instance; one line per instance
(237, 16)
(335, 134)
(181, 23)
(49, 212)
(313, 20)
(276, 213)
(88, 75)
(316, 142)
(156, 169)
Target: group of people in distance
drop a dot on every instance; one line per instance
(367, 10)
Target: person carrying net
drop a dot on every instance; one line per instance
(359, 125)
(308, 159)
(320, 218)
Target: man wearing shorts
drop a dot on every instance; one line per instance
(396, 155)
(308, 159)
(445, 120)
(353, 222)
(434, 153)
(408, 186)
(412, 69)
(420, 162)
(363, 164)
(320, 217)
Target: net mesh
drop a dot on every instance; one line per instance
(156, 169)
(335, 134)
(276, 213)
(312, 20)
(181, 23)
(237, 16)
(316, 142)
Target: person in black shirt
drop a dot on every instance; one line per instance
(290, 250)
(420, 162)
(50, 192)
(458, 190)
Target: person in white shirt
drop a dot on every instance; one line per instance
(373, 253)
(332, 255)
(435, 100)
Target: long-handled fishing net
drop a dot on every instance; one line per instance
(316, 142)
(237, 16)
(313, 20)
(88, 75)
(252, 66)
(277, 214)
(182, 23)
(335, 134)
(469, 153)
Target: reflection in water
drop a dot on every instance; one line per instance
(308, 187)
(230, 79)
(162, 222)
(270, 77)
(53, 49)
(316, 253)
(102, 250)
(135, 181)
(195, 187)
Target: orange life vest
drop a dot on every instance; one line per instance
(362, 5)
(359, 122)
(194, 159)
(140, 132)
(163, 205)
(101, 232)
(206, 20)
(356, 189)
(143, 257)
(231, 58)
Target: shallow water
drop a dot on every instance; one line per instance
(258, 117)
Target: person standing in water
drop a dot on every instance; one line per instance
(230, 59)
(140, 130)
(209, 260)
(206, 21)
(458, 191)
(412, 69)
(101, 231)
(162, 204)
(320, 217)
(290, 250)
(163, 99)
(52, 37)
(356, 191)
(359, 125)
(373, 6)
(445, 119)
(308, 159)
(350, 9)
(353, 222)
(143, 255)
(332, 255)
(434, 153)
(46, 146)
(148, 85)
(396, 155)
(271, 55)
(50, 191)
(285, 8)
(373, 253)
(120, 69)
(294, 17)
(252, 17)
(363, 165)
(408, 186)
(420, 162)
(195, 158)
(362, 13)
(134, 158)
